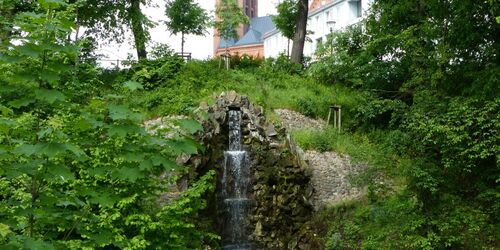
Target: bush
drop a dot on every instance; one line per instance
(245, 62)
(153, 74)
(283, 64)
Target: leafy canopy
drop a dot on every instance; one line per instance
(83, 173)
(286, 19)
(186, 16)
(230, 16)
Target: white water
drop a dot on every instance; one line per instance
(235, 182)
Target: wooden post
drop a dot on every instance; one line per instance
(328, 119)
(340, 117)
(334, 118)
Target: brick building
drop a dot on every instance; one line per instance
(249, 41)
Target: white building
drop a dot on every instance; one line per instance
(324, 16)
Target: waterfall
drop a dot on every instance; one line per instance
(235, 183)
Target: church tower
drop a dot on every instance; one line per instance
(250, 8)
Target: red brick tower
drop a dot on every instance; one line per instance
(250, 8)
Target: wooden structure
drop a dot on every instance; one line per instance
(337, 116)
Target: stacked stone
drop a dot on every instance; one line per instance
(254, 126)
(281, 187)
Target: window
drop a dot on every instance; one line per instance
(319, 41)
(356, 9)
(359, 8)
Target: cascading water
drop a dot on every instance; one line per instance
(235, 183)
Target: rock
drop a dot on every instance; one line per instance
(231, 96)
(281, 187)
(245, 102)
(182, 159)
(270, 131)
(258, 229)
(204, 105)
(258, 110)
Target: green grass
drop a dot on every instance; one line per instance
(358, 145)
(390, 216)
(200, 80)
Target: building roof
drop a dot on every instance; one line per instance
(258, 26)
(223, 43)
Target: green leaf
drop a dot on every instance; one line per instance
(132, 85)
(49, 95)
(122, 112)
(123, 130)
(103, 238)
(52, 3)
(21, 102)
(10, 59)
(145, 165)
(191, 126)
(104, 199)
(183, 146)
(75, 150)
(26, 149)
(166, 163)
(133, 157)
(61, 171)
(4, 230)
(5, 125)
(114, 96)
(129, 174)
(44, 132)
(29, 49)
(50, 76)
(5, 111)
(51, 149)
(33, 244)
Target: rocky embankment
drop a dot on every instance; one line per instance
(330, 171)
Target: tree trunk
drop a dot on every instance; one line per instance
(182, 44)
(288, 48)
(136, 20)
(300, 32)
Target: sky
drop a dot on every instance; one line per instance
(201, 47)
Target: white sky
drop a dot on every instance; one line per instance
(201, 47)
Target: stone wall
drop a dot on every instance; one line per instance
(281, 185)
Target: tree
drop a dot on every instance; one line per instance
(186, 17)
(285, 21)
(300, 31)
(136, 21)
(8, 9)
(82, 172)
(230, 16)
(106, 20)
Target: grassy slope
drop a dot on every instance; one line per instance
(388, 217)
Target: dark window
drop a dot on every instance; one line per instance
(359, 9)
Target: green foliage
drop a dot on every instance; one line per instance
(286, 19)
(107, 20)
(398, 222)
(230, 17)
(245, 62)
(283, 64)
(264, 84)
(153, 74)
(83, 172)
(428, 74)
(186, 17)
